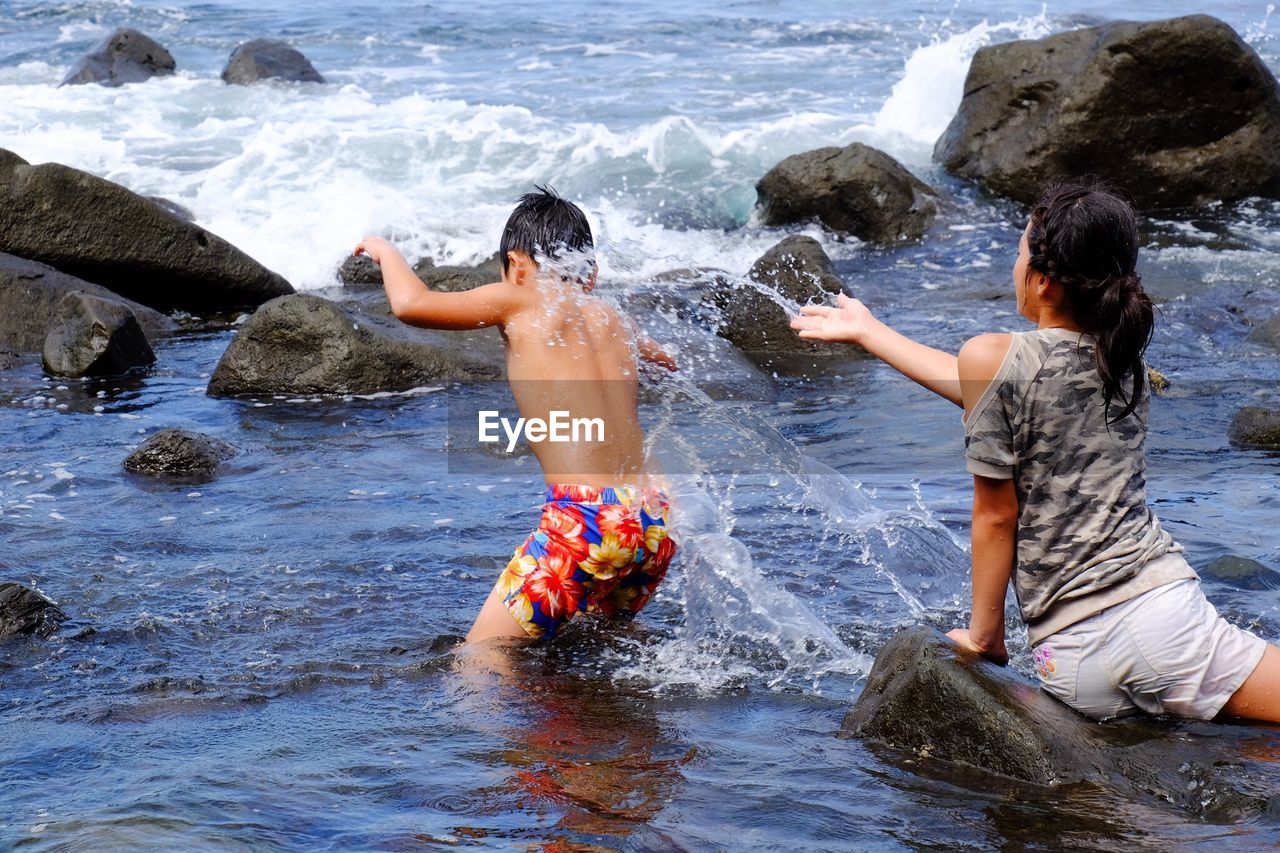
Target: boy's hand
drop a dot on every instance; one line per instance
(376, 248)
(848, 322)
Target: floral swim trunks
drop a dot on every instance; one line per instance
(596, 550)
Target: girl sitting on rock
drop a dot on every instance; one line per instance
(1055, 429)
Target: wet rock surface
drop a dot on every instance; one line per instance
(303, 344)
(925, 701)
(268, 59)
(101, 232)
(179, 453)
(25, 612)
(1267, 332)
(855, 190)
(30, 291)
(1196, 109)
(125, 56)
(90, 336)
(797, 269)
(1255, 427)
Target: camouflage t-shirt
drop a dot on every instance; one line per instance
(1084, 528)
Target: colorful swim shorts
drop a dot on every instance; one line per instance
(596, 550)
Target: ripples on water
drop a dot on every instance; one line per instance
(266, 660)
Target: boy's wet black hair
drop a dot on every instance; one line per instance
(544, 225)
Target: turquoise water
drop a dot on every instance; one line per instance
(270, 659)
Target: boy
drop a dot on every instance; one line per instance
(602, 545)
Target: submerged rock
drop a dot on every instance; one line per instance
(30, 291)
(753, 321)
(855, 190)
(25, 612)
(927, 701)
(1241, 573)
(96, 230)
(179, 453)
(89, 336)
(1255, 427)
(268, 59)
(1268, 332)
(125, 56)
(1175, 113)
(303, 344)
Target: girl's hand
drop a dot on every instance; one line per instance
(996, 652)
(848, 322)
(376, 248)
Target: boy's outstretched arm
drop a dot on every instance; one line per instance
(850, 322)
(652, 352)
(416, 304)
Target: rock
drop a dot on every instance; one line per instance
(800, 271)
(307, 345)
(1175, 113)
(179, 453)
(1241, 573)
(96, 230)
(1255, 427)
(1267, 333)
(24, 612)
(854, 190)
(30, 291)
(359, 271)
(172, 208)
(452, 279)
(926, 702)
(125, 56)
(94, 337)
(9, 360)
(268, 59)
(1158, 381)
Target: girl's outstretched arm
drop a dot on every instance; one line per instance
(850, 322)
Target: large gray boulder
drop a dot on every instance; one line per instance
(303, 344)
(927, 700)
(25, 612)
(1255, 427)
(754, 320)
(1175, 113)
(853, 190)
(268, 59)
(30, 291)
(125, 56)
(91, 337)
(99, 231)
(179, 454)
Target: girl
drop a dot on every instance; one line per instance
(1055, 429)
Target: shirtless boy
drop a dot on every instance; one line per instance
(602, 545)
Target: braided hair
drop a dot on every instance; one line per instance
(1084, 237)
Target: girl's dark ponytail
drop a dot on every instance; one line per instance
(1086, 238)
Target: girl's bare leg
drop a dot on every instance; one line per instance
(1258, 698)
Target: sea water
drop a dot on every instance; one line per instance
(265, 660)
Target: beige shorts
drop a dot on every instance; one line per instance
(1165, 652)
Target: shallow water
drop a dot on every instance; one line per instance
(270, 658)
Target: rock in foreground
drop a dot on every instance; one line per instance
(307, 345)
(101, 232)
(125, 56)
(927, 700)
(90, 336)
(30, 291)
(855, 190)
(1175, 113)
(180, 454)
(24, 612)
(268, 59)
(798, 270)
(1255, 427)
